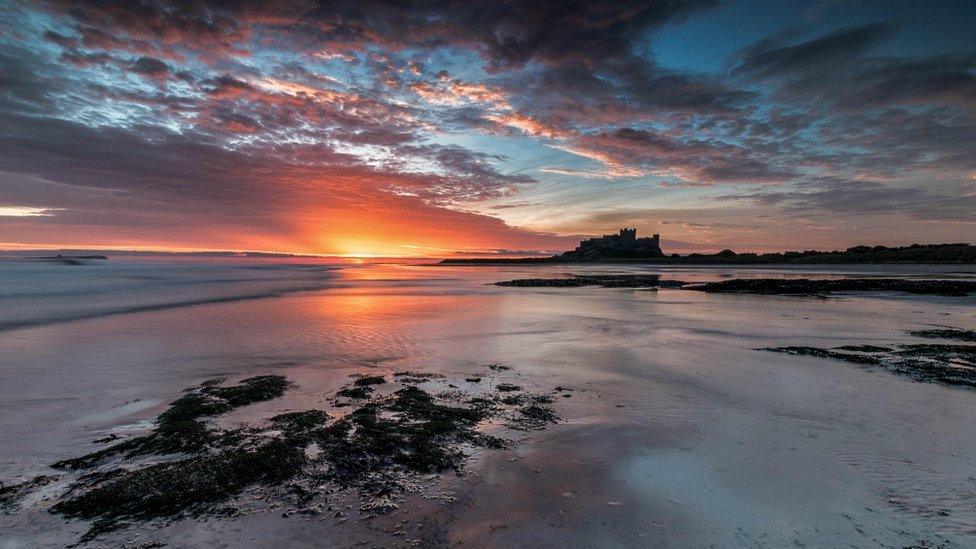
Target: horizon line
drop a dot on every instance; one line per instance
(8, 247)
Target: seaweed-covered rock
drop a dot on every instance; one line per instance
(300, 421)
(604, 281)
(369, 380)
(170, 488)
(355, 392)
(952, 364)
(807, 286)
(375, 449)
(864, 348)
(535, 416)
(179, 428)
(947, 333)
(825, 353)
(10, 494)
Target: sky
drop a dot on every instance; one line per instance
(432, 128)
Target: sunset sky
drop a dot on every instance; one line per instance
(430, 128)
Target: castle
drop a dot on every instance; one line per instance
(622, 245)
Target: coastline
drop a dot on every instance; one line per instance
(680, 261)
(613, 252)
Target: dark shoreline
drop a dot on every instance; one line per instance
(724, 262)
(928, 254)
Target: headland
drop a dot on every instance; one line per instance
(626, 247)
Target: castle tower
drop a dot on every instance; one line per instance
(628, 235)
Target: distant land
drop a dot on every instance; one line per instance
(68, 257)
(625, 247)
(97, 253)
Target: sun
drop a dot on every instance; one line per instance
(366, 248)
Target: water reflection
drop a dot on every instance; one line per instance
(673, 414)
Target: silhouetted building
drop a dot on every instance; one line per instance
(622, 245)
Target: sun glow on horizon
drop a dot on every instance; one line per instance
(369, 247)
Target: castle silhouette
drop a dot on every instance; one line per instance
(621, 245)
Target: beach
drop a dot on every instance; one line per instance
(675, 428)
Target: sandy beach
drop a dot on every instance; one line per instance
(674, 428)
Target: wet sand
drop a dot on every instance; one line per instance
(679, 432)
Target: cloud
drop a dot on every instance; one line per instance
(292, 116)
(768, 59)
(150, 67)
(831, 198)
(157, 184)
(693, 160)
(21, 88)
(25, 211)
(838, 70)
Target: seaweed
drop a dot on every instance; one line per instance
(807, 286)
(416, 377)
(250, 390)
(534, 416)
(929, 370)
(171, 488)
(603, 281)
(769, 286)
(944, 353)
(374, 449)
(11, 494)
(864, 348)
(369, 380)
(423, 436)
(947, 333)
(355, 392)
(825, 353)
(300, 421)
(180, 429)
(951, 364)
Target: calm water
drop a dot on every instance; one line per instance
(679, 433)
